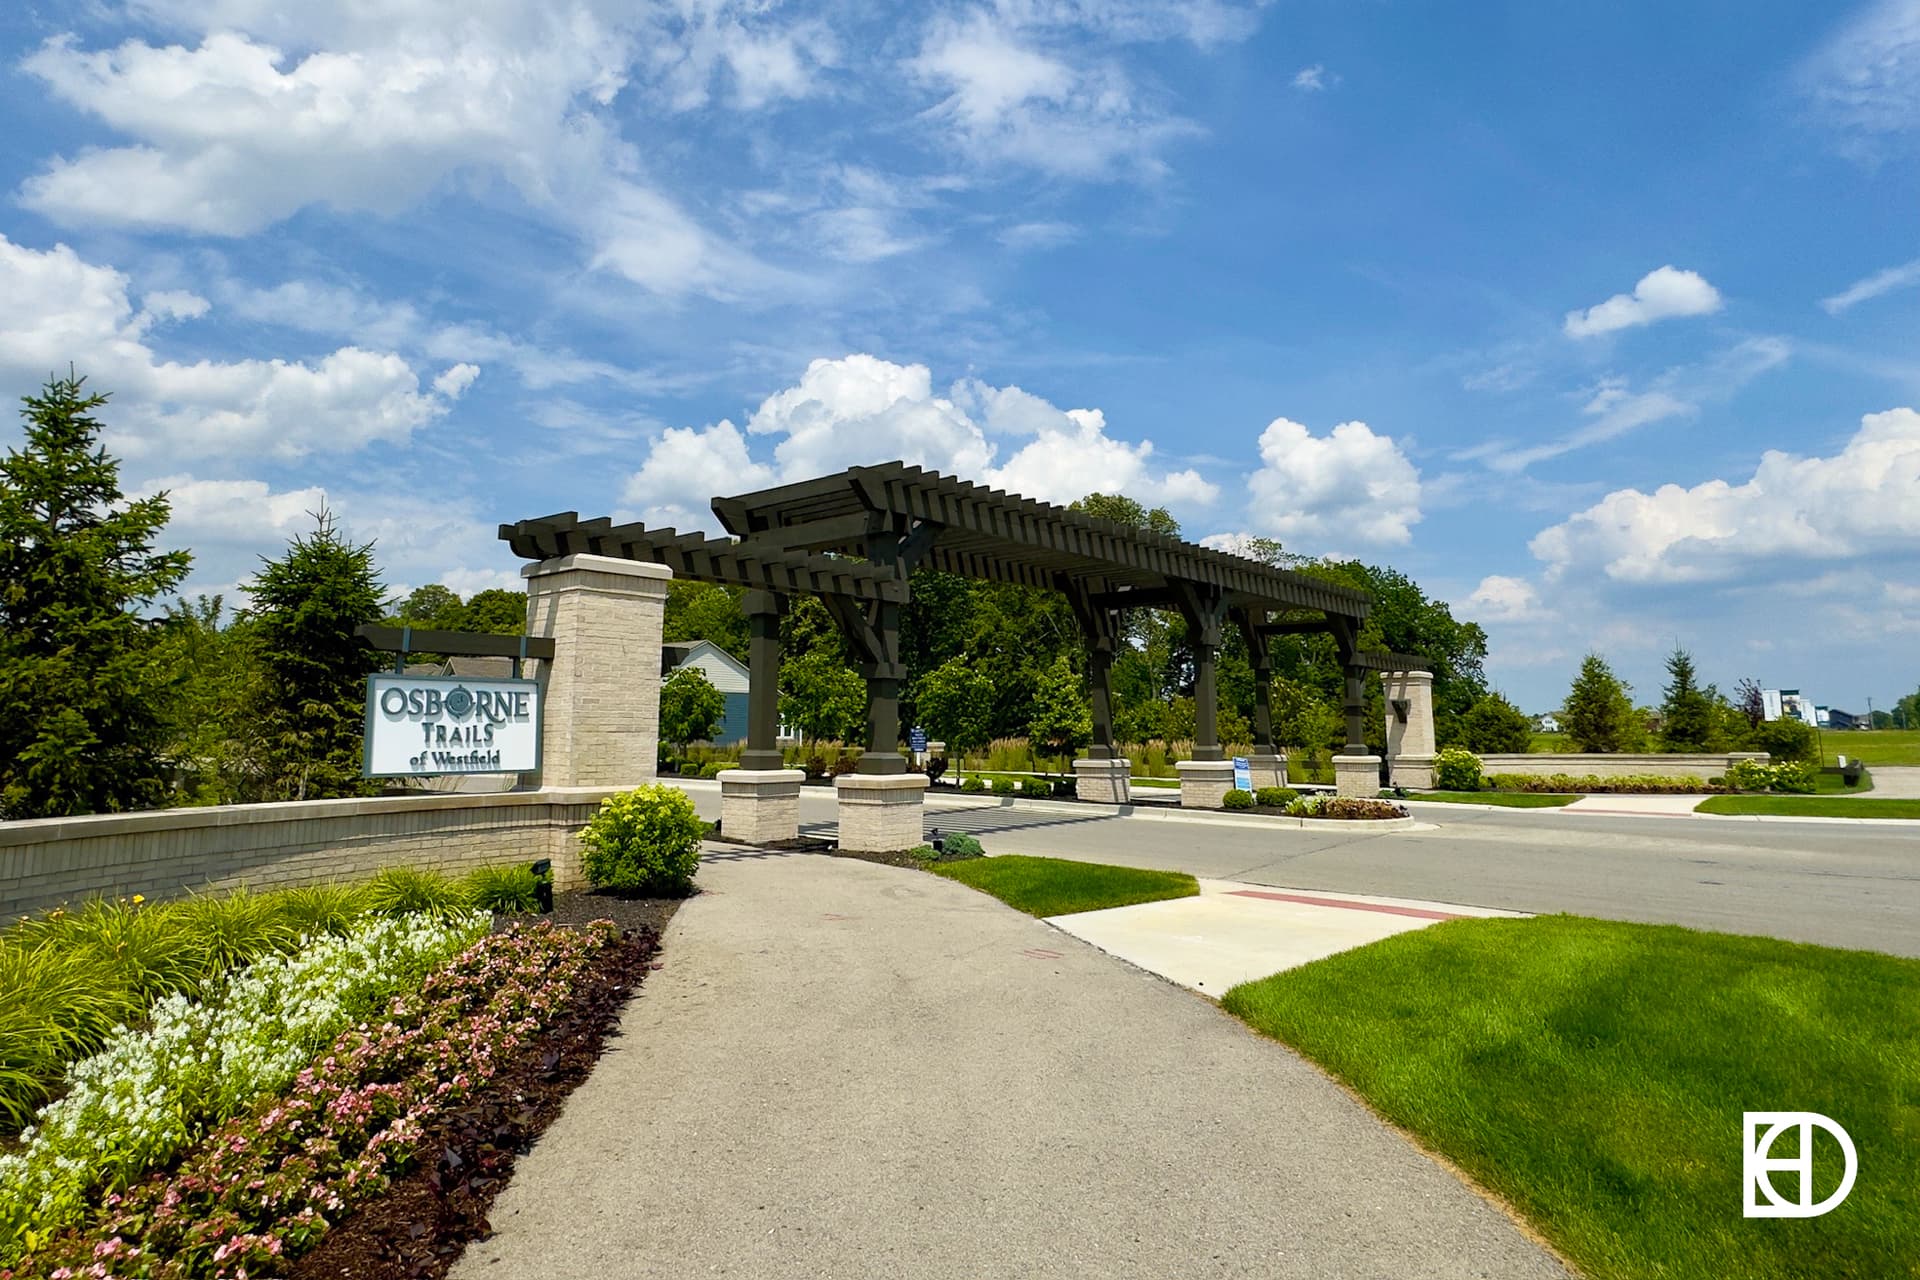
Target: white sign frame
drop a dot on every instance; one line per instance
(384, 755)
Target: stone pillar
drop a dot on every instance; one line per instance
(1267, 769)
(602, 688)
(763, 609)
(1103, 780)
(760, 806)
(1204, 783)
(881, 813)
(1410, 746)
(1357, 775)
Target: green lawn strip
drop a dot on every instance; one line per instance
(1875, 746)
(1833, 783)
(1504, 799)
(1593, 1074)
(1810, 807)
(1058, 887)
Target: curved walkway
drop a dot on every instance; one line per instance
(851, 1070)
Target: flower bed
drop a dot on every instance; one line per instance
(1625, 784)
(152, 1092)
(267, 1185)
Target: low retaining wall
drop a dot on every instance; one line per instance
(169, 852)
(1618, 764)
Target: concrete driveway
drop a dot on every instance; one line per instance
(851, 1070)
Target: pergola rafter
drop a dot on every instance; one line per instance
(854, 539)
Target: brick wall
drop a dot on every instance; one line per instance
(170, 852)
(1614, 765)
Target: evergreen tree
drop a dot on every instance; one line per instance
(690, 707)
(83, 730)
(306, 606)
(1686, 713)
(1599, 715)
(1495, 726)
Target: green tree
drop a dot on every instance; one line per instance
(497, 611)
(1599, 715)
(306, 606)
(433, 608)
(821, 696)
(84, 726)
(213, 737)
(1062, 721)
(1686, 710)
(690, 707)
(1495, 726)
(955, 706)
(706, 611)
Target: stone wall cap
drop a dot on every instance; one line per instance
(1357, 760)
(881, 782)
(1103, 766)
(1204, 767)
(762, 775)
(596, 564)
(1409, 675)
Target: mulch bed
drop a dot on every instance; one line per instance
(420, 1227)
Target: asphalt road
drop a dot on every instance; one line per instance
(1846, 885)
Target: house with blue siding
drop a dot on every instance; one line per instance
(724, 672)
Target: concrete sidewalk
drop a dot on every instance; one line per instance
(1233, 933)
(849, 1070)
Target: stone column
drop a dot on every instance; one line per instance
(1356, 772)
(1103, 780)
(1204, 783)
(1410, 747)
(760, 806)
(1267, 769)
(601, 690)
(881, 813)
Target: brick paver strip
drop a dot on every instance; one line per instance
(1383, 908)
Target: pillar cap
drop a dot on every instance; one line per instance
(1204, 767)
(582, 562)
(881, 782)
(761, 775)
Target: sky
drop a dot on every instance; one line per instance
(1599, 321)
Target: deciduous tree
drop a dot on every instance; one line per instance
(955, 706)
(690, 707)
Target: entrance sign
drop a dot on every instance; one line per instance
(917, 740)
(1242, 774)
(423, 725)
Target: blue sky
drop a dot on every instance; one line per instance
(1599, 321)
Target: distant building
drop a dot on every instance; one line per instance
(1835, 718)
(1788, 704)
(724, 671)
(1548, 723)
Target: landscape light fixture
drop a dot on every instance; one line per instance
(543, 885)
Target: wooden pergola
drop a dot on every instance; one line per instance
(853, 539)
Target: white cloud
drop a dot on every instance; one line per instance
(174, 304)
(61, 307)
(1011, 102)
(862, 410)
(1502, 599)
(1661, 293)
(1039, 235)
(1313, 79)
(1865, 80)
(454, 382)
(1350, 484)
(1858, 502)
(1904, 276)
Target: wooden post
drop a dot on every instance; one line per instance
(763, 609)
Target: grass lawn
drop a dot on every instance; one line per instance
(1057, 887)
(1156, 782)
(1875, 746)
(1504, 799)
(1593, 1073)
(1833, 783)
(1810, 807)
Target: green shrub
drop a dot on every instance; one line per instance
(1793, 776)
(973, 786)
(689, 768)
(1274, 797)
(645, 841)
(1626, 784)
(1003, 786)
(714, 768)
(1457, 769)
(1041, 788)
(227, 930)
(1796, 776)
(1716, 781)
(1350, 808)
(961, 845)
(1304, 807)
(507, 890)
(1237, 799)
(405, 891)
(1784, 739)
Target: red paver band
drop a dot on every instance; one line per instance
(1383, 908)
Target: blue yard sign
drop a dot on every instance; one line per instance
(1242, 774)
(917, 739)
